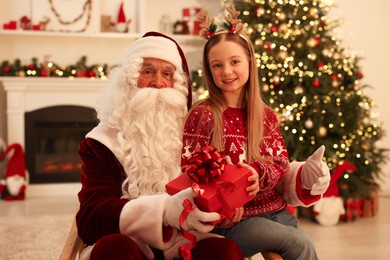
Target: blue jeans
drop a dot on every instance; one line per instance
(278, 232)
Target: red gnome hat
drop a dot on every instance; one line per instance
(16, 164)
(121, 15)
(333, 189)
(122, 23)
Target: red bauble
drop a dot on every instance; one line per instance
(360, 75)
(43, 73)
(317, 41)
(91, 74)
(316, 83)
(6, 69)
(81, 73)
(320, 65)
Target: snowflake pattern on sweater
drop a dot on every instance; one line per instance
(198, 132)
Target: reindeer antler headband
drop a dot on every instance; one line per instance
(209, 28)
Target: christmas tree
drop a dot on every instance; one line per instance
(315, 87)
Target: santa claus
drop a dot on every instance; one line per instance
(130, 156)
(13, 184)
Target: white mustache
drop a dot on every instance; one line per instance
(144, 98)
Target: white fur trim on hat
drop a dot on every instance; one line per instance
(155, 47)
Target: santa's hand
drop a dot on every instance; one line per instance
(315, 174)
(196, 219)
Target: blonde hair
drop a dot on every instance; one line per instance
(254, 102)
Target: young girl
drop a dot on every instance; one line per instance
(235, 120)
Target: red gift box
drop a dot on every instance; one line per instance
(222, 194)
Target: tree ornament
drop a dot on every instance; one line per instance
(336, 55)
(313, 11)
(258, 42)
(282, 16)
(309, 123)
(276, 81)
(313, 42)
(259, 11)
(274, 29)
(316, 83)
(326, 52)
(283, 28)
(322, 131)
(320, 65)
(282, 55)
(298, 90)
(265, 88)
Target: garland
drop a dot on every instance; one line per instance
(50, 69)
(86, 9)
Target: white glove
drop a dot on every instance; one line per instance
(315, 174)
(196, 219)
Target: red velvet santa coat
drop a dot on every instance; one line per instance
(102, 212)
(278, 185)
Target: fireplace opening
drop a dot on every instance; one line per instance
(52, 137)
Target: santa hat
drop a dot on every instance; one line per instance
(160, 46)
(121, 15)
(16, 163)
(333, 189)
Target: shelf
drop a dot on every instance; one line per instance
(113, 35)
(68, 35)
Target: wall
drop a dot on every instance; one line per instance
(365, 30)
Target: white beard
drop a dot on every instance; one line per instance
(151, 140)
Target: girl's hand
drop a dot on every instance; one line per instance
(238, 213)
(254, 188)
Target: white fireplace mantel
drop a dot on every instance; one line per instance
(26, 94)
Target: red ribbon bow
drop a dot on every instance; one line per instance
(205, 164)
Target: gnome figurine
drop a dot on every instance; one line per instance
(122, 24)
(13, 184)
(330, 207)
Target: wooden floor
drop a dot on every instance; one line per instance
(365, 238)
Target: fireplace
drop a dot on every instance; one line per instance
(52, 138)
(49, 117)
